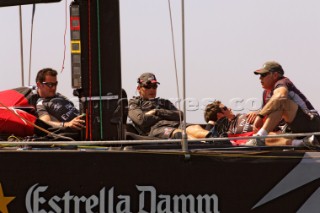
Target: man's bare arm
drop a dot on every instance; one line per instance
(276, 102)
(76, 123)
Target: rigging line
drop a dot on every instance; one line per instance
(99, 65)
(30, 54)
(90, 73)
(175, 60)
(64, 36)
(21, 46)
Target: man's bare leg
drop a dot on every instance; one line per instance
(196, 131)
(277, 141)
(287, 111)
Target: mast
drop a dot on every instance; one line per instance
(184, 133)
(96, 66)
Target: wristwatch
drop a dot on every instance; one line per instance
(260, 116)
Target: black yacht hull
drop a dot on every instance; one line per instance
(159, 181)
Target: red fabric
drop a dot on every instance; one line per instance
(13, 98)
(241, 141)
(12, 124)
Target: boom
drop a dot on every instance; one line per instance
(5, 3)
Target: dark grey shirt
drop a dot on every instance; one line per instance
(59, 108)
(166, 113)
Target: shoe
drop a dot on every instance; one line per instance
(255, 142)
(222, 143)
(310, 141)
(177, 135)
(218, 142)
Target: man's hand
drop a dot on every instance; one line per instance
(76, 123)
(251, 116)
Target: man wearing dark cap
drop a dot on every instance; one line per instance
(158, 117)
(283, 100)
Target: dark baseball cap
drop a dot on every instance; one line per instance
(270, 66)
(147, 78)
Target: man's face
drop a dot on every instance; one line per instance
(48, 88)
(268, 80)
(148, 91)
(227, 112)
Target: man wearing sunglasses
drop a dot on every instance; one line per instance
(283, 100)
(159, 117)
(52, 107)
(220, 119)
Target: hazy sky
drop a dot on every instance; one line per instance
(226, 40)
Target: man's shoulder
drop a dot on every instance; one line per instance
(240, 117)
(241, 114)
(163, 99)
(284, 81)
(139, 100)
(58, 95)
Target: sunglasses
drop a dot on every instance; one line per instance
(149, 86)
(264, 74)
(50, 84)
(224, 108)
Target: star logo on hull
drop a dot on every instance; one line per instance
(4, 201)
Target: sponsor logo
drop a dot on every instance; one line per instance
(4, 201)
(106, 201)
